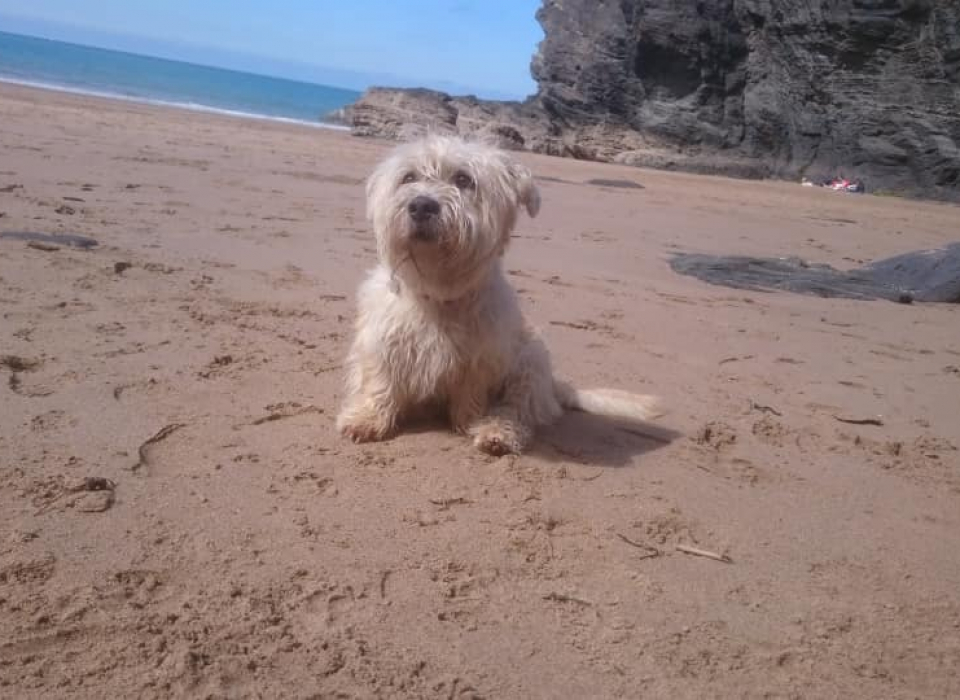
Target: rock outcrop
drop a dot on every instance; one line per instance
(756, 88)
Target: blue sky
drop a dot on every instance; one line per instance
(454, 45)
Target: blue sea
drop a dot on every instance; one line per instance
(68, 67)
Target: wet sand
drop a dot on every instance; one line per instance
(178, 516)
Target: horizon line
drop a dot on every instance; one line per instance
(221, 59)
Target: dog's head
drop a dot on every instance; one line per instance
(443, 210)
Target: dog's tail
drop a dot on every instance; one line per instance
(612, 403)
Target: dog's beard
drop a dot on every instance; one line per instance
(445, 266)
(410, 257)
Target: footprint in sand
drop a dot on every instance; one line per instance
(29, 572)
(22, 365)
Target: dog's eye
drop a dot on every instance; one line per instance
(463, 181)
(408, 178)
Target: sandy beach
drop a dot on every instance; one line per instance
(179, 518)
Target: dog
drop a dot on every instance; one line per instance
(438, 324)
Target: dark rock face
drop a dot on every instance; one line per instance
(675, 71)
(864, 88)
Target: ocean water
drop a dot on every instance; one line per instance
(83, 69)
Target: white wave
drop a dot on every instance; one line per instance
(190, 106)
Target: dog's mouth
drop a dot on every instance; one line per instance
(425, 233)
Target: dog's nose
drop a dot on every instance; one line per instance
(423, 208)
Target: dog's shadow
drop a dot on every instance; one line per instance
(600, 441)
(577, 437)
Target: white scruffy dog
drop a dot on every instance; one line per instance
(439, 325)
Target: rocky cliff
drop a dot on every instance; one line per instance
(782, 88)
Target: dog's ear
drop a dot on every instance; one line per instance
(528, 196)
(374, 188)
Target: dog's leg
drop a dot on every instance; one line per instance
(372, 409)
(528, 401)
(468, 402)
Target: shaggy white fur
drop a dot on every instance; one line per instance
(438, 323)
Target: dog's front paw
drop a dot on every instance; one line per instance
(364, 431)
(494, 445)
(496, 440)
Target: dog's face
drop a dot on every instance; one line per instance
(443, 210)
